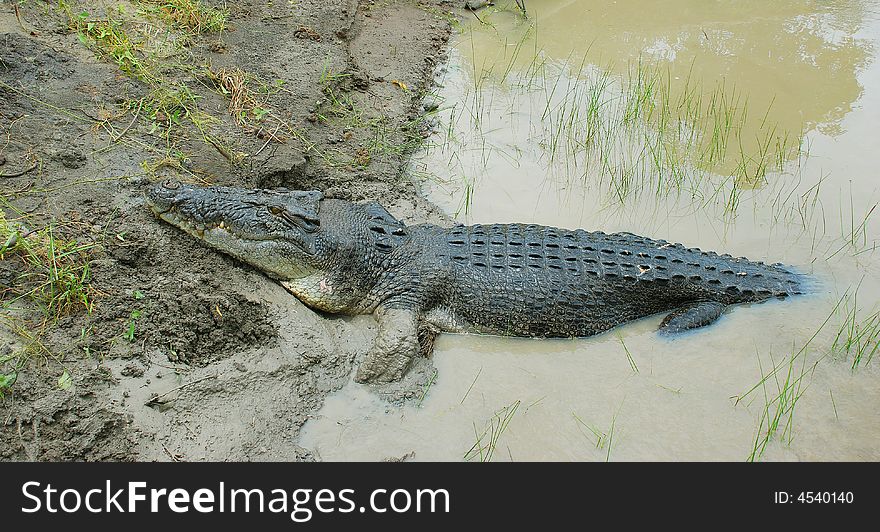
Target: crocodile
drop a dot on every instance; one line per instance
(514, 279)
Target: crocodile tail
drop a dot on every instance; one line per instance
(742, 281)
(802, 282)
(782, 280)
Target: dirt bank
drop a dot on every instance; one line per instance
(173, 351)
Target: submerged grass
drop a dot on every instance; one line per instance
(858, 335)
(790, 381)
(642, 132)
(629, 357)
(604, 439)
(486, 442)
(785, 382)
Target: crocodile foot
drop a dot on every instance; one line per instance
(691, 317)
(396, 345)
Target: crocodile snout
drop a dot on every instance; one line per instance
(162, 196)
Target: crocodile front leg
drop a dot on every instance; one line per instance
(396, 345)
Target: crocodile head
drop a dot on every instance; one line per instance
(274, 230)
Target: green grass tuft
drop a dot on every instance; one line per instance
(192, 16)
(52, 273)
(858, 335)
(45, 278)
(486, 442)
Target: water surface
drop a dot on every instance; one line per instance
(755, 136)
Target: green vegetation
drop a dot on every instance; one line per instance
(486, 442)
(638, 134)
(6, 379)
(110, 40)
(383, 137)
(471, 387)
(604, 439)
(129, 333)
(192, 16)
(783, 385)
(834, 405)
(430, 383)
(234, 84)
(641, 132)
(248, 97)
(65, 380)
(858, 335)
(51, 273)
(168, 105)
(47, 277)
(145, 43)
(629, 358)
(789, 378)
(148, 39)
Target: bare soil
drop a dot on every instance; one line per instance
(222, 363)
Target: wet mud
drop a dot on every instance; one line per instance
(187, 354)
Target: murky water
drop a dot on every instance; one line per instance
(747, 128)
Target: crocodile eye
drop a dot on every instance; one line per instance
(171, 184)
(276, 210)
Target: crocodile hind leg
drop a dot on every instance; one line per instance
(396, 345)
(691, 317)
(427, 335)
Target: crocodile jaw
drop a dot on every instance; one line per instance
(239, 224)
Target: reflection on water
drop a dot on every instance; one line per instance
(772, 381)
(800, 56)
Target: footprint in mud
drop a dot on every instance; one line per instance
(199, 328)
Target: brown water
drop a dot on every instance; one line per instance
(541, 122)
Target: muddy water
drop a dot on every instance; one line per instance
(511, 146)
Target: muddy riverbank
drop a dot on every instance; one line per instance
(743, 129)
(163, 349)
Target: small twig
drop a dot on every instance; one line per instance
(222, 149)
(11, 406)
(18, 17)
(136, 113)
(176, 369)
(19, 191)
(471, 386)
(41, 102)
(161, 395)
(19, 174)
(26, 232)
(276, 17)
(478, 18)
(270, 139)
(90, 117)
(427, 387)
(174, 457)
(24, 447)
